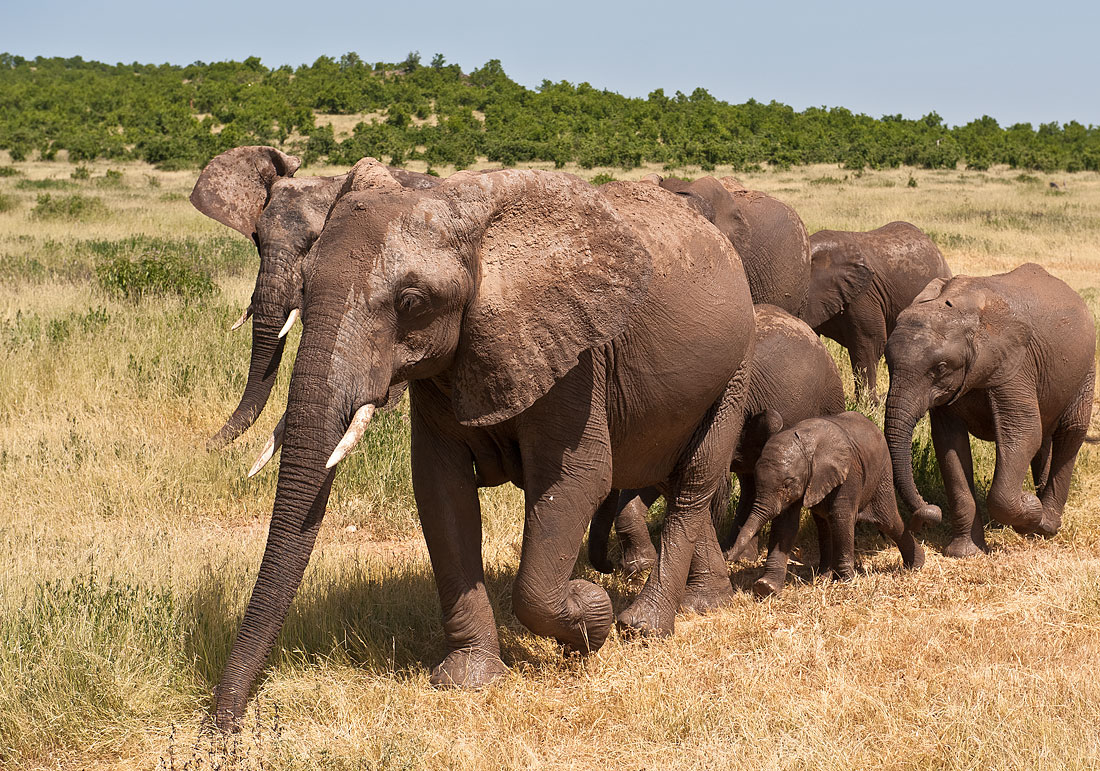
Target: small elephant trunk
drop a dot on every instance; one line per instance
(760, 515)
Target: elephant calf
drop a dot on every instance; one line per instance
(839, 468)
(1010, 359)
(860, 282)
(793, 378)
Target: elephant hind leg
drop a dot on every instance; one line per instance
(1065, 444)
(1040, 467)
(703, 469)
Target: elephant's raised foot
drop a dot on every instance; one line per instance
(962, 547)
(643, 619)
(1047, 527)
(766, 587)
(704, 599)
(468, 668)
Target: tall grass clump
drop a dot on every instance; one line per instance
(7, 202)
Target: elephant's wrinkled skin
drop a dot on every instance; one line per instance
(859, 284)
(1009, 359)
(767, 233)
(793, 378)
(253, 190)
(838, 467)
(555, 336)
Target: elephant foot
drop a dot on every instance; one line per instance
(1047, 527)
(962, 547)
(592, 615)
(468, 668)
(643, 619)
(766, 586)
(704, 599)
(915, 561)
(638, 558)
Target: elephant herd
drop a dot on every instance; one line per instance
(600, 346)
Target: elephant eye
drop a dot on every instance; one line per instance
(412, 301)
(941, 368)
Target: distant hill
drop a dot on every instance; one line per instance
(179, 117)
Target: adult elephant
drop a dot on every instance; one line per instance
(555, 336)
(1010, 359)
(766, 232)
(253, 190)
(793, 378)
(859, 284)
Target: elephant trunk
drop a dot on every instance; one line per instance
(902, 415)
(268, 316)
(316, 418)
(762, 513)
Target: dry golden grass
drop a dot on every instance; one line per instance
(131, 551)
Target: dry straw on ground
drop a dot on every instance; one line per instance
(130, 550)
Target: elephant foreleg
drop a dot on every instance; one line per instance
(780, 543)
(450, 516)
(884, 510)
(867, 342)
(1019, 436)
(951, 441)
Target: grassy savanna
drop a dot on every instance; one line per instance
(130, 550)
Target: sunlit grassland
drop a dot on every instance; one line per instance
(130, 549)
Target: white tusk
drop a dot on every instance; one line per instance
(244, 317)
(352, 436)
(289, 322)
(274, 442)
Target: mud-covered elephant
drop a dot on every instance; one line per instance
(793, 378)
(560, 337)
(838, 467)
(767, 233)
(1010, 359)
(859, 284)
(253, 190)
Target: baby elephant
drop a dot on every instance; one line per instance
(839, 468)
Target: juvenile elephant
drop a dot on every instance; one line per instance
(767, 233)
(838, 467)
(793, 378)
(859, 284)
(562, 338)
(1009, 359)
(253, 190)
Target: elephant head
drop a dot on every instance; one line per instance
(491, 284)
(798, 466)
(253, 191)
(954, 338)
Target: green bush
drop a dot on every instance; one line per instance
(7, 202)
(601, 179)
(69, 207)
(111, 179)
(43, 184)
(9, 171)
(81, 172)
(153, 276)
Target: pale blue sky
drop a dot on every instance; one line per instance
(1016, 61)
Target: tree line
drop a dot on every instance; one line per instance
(181, 116)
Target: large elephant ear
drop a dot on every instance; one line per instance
(931, 291)
(838, 274)
(557, 272)
(998, 337)
(829, 464)
(234, 186)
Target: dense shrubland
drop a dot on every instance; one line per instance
(179, 117)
